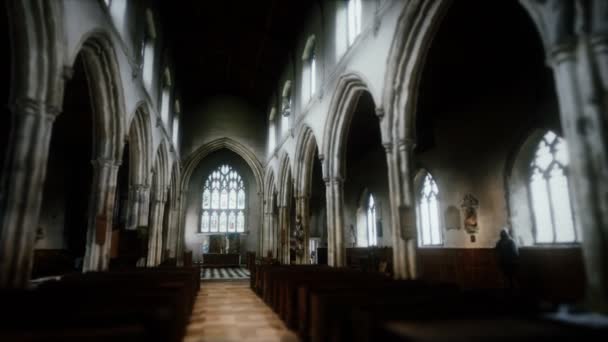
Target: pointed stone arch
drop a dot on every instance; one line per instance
(190, 162)
(285, 177)
(415, 30)
(269, 236)
(306, 144)
(341, 111)
(140, 152)
(344, 102)
(36, 96)
(103, 78)
(140, 145)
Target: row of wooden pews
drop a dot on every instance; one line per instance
(142, 304)
(321, 303)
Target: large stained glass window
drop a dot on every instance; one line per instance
(429, 230)
(549, 194)
(223, 205)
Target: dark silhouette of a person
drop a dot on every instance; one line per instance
(507, 254)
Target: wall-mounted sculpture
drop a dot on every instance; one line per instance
(469, 207)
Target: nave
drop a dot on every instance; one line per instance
(379, 169)
(230, 311)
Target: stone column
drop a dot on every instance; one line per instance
(155, 232)
(171, 243)
(336, 250)
(402, 206)
(139, 196)
(303, 203)
(575, 34)
(267, 244)
(284, 234)
(261, 224)
(180, 226)
(22, 189)
(101, 208)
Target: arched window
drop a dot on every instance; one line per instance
(429, 229)
(313, 73)
(285, 107)
(223, 206)
(354, 20)
(309, 57)
(165, 109)
(148, 51)
(372, 233)
(175, 125)
(549, 194)
(272, 130)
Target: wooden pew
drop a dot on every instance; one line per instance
(140, 304)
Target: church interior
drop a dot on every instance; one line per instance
(304, 170)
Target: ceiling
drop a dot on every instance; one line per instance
(230, 47)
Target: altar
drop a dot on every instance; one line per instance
(221, 260)
(221, 250)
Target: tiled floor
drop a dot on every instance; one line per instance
(230, 311)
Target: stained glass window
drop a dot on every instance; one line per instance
(223, 202)
(429, 230)
(549, 194)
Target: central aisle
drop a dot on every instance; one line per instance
(230, 311)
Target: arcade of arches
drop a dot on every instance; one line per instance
(398, 137)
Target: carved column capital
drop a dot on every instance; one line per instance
(105, 162)
(139, 187)
(406, 144)
(33, 107)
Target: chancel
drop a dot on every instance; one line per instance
(328, 170)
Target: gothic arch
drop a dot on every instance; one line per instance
(342, 106)
(103, 78)
(161, 170)
(285, 180)
(305, 152)
(140, 139)
(416, 26)
(174, 185)
(191, 162)
(269, 235)
(36, 96)
(37, 76)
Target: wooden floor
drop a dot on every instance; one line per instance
(230, 311)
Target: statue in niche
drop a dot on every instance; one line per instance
(452, 218)
(469, 207)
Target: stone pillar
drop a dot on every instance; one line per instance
(261, 224)
(171, 243)
(284, 234)
(180, 227)
(268, 237)
(302, 204)
(139, 196)
(22, 189)
(155, 232)
(575, 34)
(402, 206)
(101, 208)
(336, 250)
